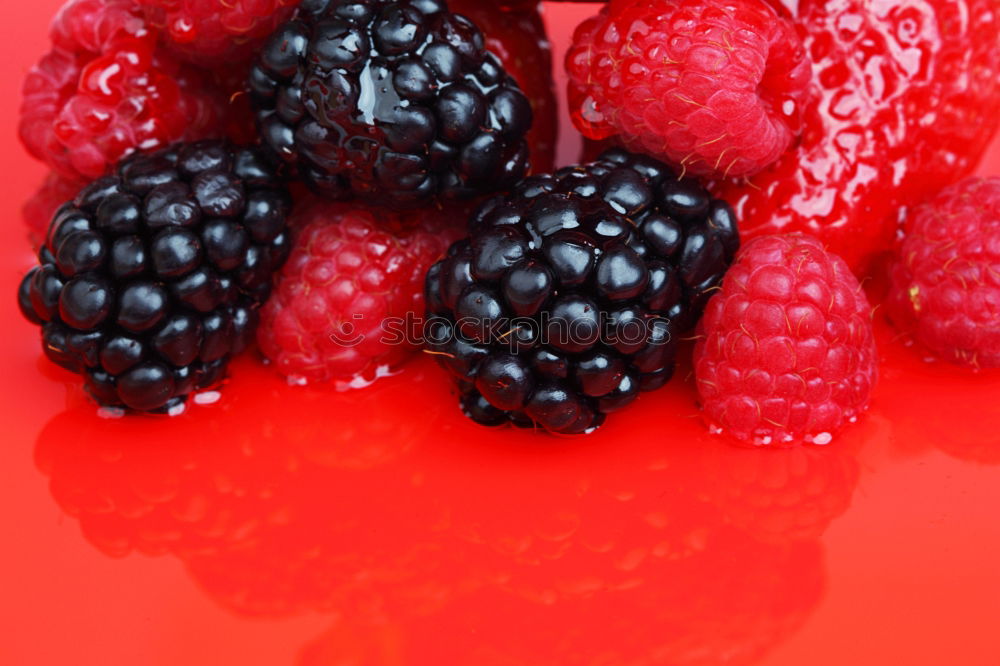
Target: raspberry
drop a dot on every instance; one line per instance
(151, 278)
(106, 90)
(394, 101)
(786, 351)
(229, 30)
(870, 143)
(569, 296)
(350, 272)
(37, 211)
(945, 289)
(714, 86)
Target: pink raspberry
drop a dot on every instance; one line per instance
(38, 210)
(716, 86)
(351, 270)
(903, 102)
(787, 351)
(945, 289)
(106, 89)
(231, 29)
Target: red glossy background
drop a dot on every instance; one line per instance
(287, 526)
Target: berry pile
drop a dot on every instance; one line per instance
(150, 307)
(151, 278)
(573, 288)
(568, 297)
(390, 100)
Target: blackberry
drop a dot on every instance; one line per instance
(398, 101)
(568, 297)
(151, 278)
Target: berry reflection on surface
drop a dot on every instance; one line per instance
(429, 540)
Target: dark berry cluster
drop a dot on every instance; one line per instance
(568, 296)
(398, 100)
(151, 278)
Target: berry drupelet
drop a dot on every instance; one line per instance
(395, 101)
(568, 297)
(151, 278)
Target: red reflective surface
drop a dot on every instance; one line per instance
(298, 526)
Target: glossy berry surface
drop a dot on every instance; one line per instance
(713, 86)
(398, 102)
(230, 29)
(902, 102)
(150, 280)
(520, 40)
(568, 297)
(106, 89)
(786, 351)
(340, 304)
(945, 277)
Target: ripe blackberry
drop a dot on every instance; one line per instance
(399, 101)
(150, 279)
(568, 297)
